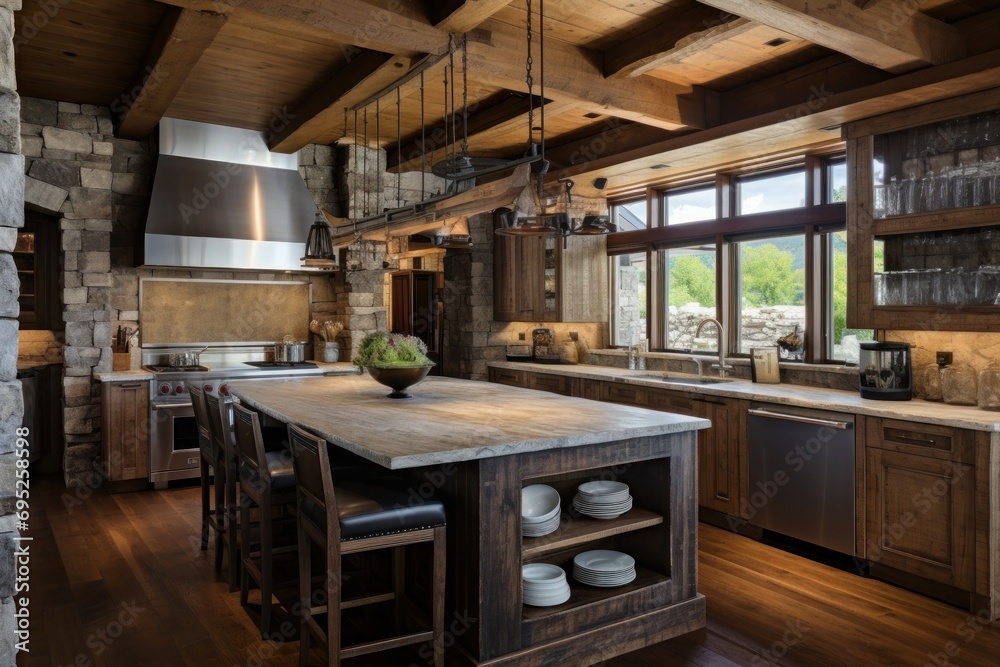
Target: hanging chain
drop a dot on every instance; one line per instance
(399, 148)
(378, 157)
(454, 111)
(355, 193)
(529, 79)
(423, 142)
(365, 176)
(465, 94)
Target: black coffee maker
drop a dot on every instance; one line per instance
(885, 371)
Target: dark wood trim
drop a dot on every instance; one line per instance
(758, 222)
(816, 268)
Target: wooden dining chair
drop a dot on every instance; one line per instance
(354, 517)
(222, 439)
(212, 516)
(267, 483)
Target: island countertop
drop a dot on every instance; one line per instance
(449, 420)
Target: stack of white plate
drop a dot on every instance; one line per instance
(603, 568)
(541, 509)
(544, 585)
(602, 499)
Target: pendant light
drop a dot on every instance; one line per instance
(319, 249)
(595, 224)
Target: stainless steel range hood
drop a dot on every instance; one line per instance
(221, 200)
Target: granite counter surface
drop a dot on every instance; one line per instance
(917, 410)
(449, 420)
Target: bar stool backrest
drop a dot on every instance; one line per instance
(218, 418)
(250, 442)
(201, 419)
(313, 477)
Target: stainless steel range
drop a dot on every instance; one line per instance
(173, 433)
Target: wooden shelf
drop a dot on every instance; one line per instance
(936, 221)
(581, 529)
(582, 595)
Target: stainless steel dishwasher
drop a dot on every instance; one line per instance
(802, 474)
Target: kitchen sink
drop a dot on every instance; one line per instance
(676, 379)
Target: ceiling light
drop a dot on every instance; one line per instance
(660, 166)
(778, 41)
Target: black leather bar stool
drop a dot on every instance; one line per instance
(267, 482)
(222, 439)
(211, 458)
(352, 517)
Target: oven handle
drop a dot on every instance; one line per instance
(757, 412)
(172, 406)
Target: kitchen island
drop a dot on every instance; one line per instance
(475, 445)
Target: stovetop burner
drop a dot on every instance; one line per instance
(268, 365)
(177, 369)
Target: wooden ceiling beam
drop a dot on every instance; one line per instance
(699, 28)
(458, 16)
(498, 121)
(629, 158)
(575, 74)
(180, 41)
(891, 35)
(320, 119)
(395, 27)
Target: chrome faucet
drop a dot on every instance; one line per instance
(721, 339)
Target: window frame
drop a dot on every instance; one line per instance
(815, 220)
(776, 171)
(663, 194)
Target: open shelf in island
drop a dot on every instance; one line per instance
(578, 530)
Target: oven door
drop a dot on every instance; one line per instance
(174, 452)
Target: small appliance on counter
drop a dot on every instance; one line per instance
(884, 371)
(543, 350)
(519, 352)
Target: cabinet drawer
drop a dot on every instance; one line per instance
(507, 376)
(585, 388)
(922, 439)
(557, 384)
(670, 401)
(624, 393)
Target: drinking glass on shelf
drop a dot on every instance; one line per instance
(908, 195)
(961, 195)
(892, 197)
(995, 182)
(880, 293)
(981, 185)
(878, 209)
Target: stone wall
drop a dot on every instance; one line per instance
(472, 339)
(11, 403)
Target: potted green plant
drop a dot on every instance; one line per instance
(396, 360)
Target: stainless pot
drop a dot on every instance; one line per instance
(290, 350)
(183, 358)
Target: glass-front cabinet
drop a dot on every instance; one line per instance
(924, 223)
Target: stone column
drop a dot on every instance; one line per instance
(11, 404)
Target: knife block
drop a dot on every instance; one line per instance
(121, 361)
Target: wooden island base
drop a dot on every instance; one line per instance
(474, 446)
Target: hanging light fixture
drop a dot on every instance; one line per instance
(319, 249)
(595, 224)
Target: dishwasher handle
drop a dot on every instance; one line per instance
(760, 412)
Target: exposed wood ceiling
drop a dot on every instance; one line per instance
(629, 86)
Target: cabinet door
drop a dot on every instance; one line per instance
(507, 376)
(557, 384)
(518, 279)
(125, 432)
(719, 457)
(921, 516)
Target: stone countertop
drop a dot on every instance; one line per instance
(339, 368)
(124, 376)
(449, 420)
(837, 400)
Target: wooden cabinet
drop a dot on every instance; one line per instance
(922, 216)
(721, 452)
(414, 310)
(920, 500)
(125, 430)
(508, 377)
(536, 279)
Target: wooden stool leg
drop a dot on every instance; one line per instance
(437, 593)
(305, 595)
(233, 527)
(265, 565)
(221, 520)
(245, 546)
(206, 500)
(334, 579)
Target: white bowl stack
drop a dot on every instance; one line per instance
(602, 499)
(545, 585)
(603, 568)
(541, 510)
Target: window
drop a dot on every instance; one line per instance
(772, 288)
(691, 283)
(771, 192)
(630, 276)
(630, 215)
(844, 342)
(836, 181)
(691, 205)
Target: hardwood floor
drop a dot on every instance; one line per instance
(120, 581)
